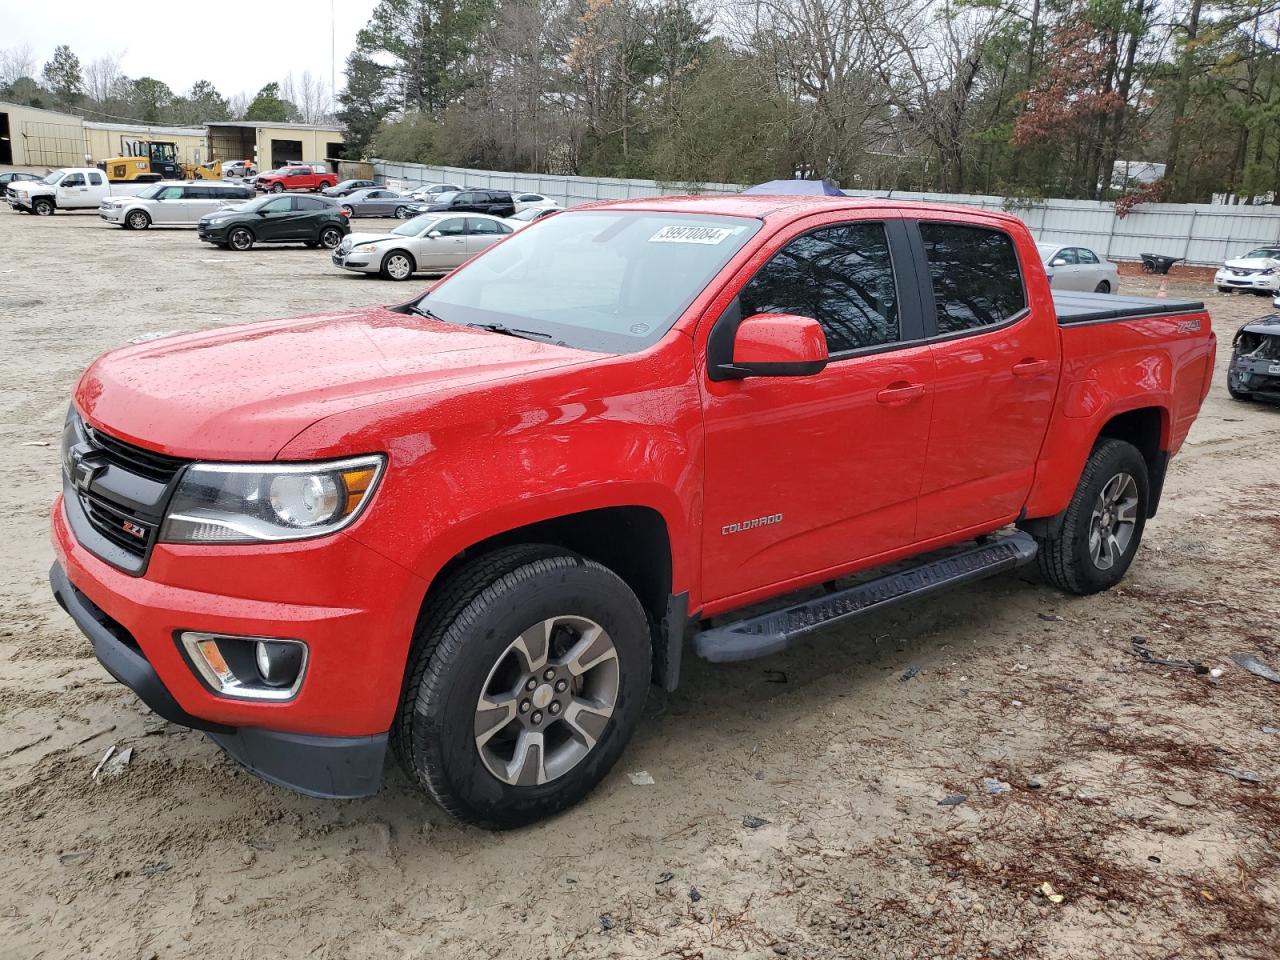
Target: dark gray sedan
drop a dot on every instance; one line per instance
(378, 202)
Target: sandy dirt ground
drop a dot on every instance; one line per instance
(843, 747)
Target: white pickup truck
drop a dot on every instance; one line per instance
(72, 188)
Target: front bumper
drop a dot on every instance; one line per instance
(353, 608)
(111, 214)
(1225, 279)
(352, 260)
(211, 234)
(1259, 378)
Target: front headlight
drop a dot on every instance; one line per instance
(366, 247)
(250, 503)
(1267, 272)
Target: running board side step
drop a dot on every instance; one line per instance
(771, 632)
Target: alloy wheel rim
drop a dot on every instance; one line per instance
(239, 241)
(1114, 521)
(398, 267)
(331, 239)
(137, 221)
(547, 701)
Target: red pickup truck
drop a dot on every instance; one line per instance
(477, 526)
(298, 176)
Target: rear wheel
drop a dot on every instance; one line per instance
(526, 681)
(42, 207)
(240, 239)
(330, 237)
(397, 265)
(1103, 524)
(137, 220)
(1104, 286)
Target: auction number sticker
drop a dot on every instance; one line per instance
(690, 234)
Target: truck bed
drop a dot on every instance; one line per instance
(1075, 307)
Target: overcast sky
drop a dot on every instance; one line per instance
(237, 47)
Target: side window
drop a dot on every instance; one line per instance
(841, 276)
(308, 203)
(453, 227)
(1068, 256)
(468, 197)
(278, 205)
(1085, 256)
(170, 193)
(95, 179)
(476, 225)
(975, 275)
(73, 180)
(530, 198)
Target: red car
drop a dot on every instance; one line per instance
(298, 176)
(479, 525)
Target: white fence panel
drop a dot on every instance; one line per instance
(1200, 233)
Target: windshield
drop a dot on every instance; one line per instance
(1262, 253)
(54, 177)
(149, 193)
(597, 280)
(256, 204)
(532, 213)
(445, 197)
(416, 226)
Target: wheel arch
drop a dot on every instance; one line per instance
(633, 541)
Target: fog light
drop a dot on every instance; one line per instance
(247, 668)
(279, 663)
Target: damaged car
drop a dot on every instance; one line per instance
(1254, 371)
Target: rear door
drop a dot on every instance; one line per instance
(997, 362)
(98, 190)
(808, 474)
(482, 233)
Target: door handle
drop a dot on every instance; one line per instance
(900, 392)
(1030, 368)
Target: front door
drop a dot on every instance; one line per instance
(170, 206)
(73, 191)
(805, 475)
(996, 357)
(276, 219)
(448, 250)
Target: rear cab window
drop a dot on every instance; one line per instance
(975, 276)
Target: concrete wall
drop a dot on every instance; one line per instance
(44, 138)
(1200, 233)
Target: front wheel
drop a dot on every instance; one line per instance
(526, 681)
(397, 266)
(137, 220)
(277, 188)
(42, 208)
(240, 239)
(1103, 524)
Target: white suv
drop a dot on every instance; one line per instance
(173, 203)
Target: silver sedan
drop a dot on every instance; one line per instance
(378, 202)
(1078, 268)
(430, 243)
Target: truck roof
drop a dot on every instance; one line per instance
(781, 207)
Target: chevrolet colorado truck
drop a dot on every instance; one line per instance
(475, 527)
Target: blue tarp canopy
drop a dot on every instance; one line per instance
(797, 188)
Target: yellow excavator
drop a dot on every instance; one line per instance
(143, 161)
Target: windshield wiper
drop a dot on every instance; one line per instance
(503, 329)
(424, 312)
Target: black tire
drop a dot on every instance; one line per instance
(137, 220)
(397, 265)
(43, 207)
(1224, 289)
(330, 237)
(1066, 560)
(241, 239)
(465, 634)
(1104, 286)
(277, 188)
(1233, 383)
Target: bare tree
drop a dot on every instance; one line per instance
(16, 63)
(310, 95)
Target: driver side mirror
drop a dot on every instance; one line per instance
(775, 345)
(1057, 262)
(434, 235)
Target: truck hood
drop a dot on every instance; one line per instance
(1255, 263)
(244, 392)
